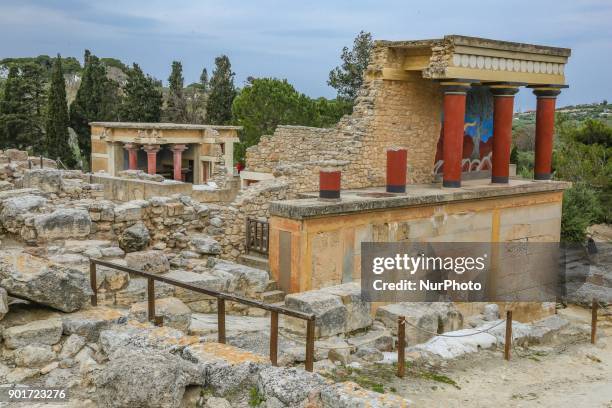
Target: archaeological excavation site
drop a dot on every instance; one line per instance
(165, 277)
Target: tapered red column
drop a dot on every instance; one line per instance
(454, 118)
(132, 150)
(151, 158)
(545, 127)
(177, 152)
(502, 131)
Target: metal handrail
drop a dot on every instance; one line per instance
(221, 298)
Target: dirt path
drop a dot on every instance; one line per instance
(575, 374)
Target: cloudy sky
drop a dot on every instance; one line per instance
(301, 41)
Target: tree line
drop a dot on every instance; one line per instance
(35, 114)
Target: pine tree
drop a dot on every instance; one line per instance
(176, 105)
(143, 99)
(56, 137)
(348, 77)
(222, 93)
(22, 107)
(96, 100)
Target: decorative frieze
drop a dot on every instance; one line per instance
(507, 64)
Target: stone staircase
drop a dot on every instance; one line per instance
(273, 295)
(255, 261)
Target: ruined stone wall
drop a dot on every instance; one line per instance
(387, 113)
(228, 222)
(13, 164)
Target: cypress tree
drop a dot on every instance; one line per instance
(204, 80)
(96, 100)
(176, 105)
(56, 137)
(222, 93)
(143, 99)
(21, 107)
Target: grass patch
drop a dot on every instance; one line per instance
(441, 378)
(255, 398)
(371, 377)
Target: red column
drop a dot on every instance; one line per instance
(151, 158)
(454, 117)
(502, 131)
(132, 155)
(545, 126)
(177, 151)
(329, 183)
(396, 170)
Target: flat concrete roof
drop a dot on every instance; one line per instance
(483, 43)
(376, 199)
(166, 126)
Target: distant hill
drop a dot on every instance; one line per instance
(115, 70)
(599, 111)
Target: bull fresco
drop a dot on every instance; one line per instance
(477, 133)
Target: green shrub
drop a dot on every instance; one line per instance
(581, 208)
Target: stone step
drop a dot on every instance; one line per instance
(273, 296)
(255, 261)
(271, 285)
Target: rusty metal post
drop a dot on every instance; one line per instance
(93, 282)
(274, 337)
(151, 299)
(29, 164)
(310, 335)
(594, 308)
(508, 342)
(221, 320)
(41, 161)
(247, 235)
(401, 346)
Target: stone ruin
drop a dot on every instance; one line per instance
(53, 221)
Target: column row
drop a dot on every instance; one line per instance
(503, 110)
(151, 150)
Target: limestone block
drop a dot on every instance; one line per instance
(3, 303)
(358, 310)
(175, 313)
(137, 289)
(331, 313)
(33, 278)
(13, 208)
(243, 279)
(148, 261)
(89, 323)
(62, 224)
(198, 279)
(33, 356)
(435, 317)
(47, 332)
(203, 244)
(73, 344)
(145, 378)
(128, 212)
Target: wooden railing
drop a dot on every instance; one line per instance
(257, 236)
(221, 298)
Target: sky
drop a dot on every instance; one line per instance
(302, 40)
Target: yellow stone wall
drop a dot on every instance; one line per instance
(325, 251)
